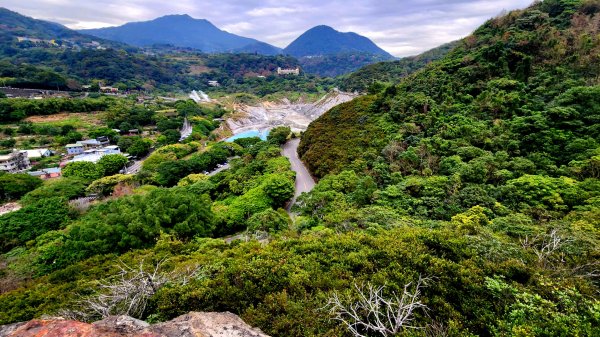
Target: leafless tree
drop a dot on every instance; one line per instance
(374, 312)
(547, 247)
(128, 292)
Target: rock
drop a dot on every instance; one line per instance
(6, 330)
(120, 324)
(194, 324)
(206, 324)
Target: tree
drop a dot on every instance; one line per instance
(31, 221)
(169, 136)
(279, 188)
(279, 135)
(104, 132)
(8, 143)
(269, 221)
(128, 292)
(83, 169)
(106, 185)
(66, 187)
(14, 186)
(111, 164)
(373, 312)
(169, 173)
(140, 147)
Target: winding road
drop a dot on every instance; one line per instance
(304, 181)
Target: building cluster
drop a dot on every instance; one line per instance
(94, 155)
(285, 71)
(19, 161)
(91, 149)
(64, 44)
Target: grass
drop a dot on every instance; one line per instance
(80, 121)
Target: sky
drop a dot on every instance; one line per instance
(401, 27)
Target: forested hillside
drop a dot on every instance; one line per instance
(500, 139)
(374, 76)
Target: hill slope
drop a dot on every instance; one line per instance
(182, 31)
(14, 25)
(507, 78)
(392, 71)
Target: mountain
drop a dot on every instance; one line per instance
(324, 40)
(324, 51)
(14, 25)
(182, 31)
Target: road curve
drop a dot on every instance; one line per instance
(304, 181)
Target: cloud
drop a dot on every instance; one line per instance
(402, 27)
(272, 11)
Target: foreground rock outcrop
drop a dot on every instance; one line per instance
(194, 324)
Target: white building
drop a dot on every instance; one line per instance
(74, 148)
(94, 155)
(38, 153)
(281, 71)
(15, 162)
(84, 145)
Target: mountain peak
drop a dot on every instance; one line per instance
(325, 40)
(181, 30)
(322, 28)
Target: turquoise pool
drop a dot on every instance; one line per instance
(248, 134)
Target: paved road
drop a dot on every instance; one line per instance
(219, 169)
(135, 168)
(304, 181)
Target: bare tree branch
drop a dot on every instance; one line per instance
(373, 312)
(128, 292)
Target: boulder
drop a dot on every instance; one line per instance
(194, 324)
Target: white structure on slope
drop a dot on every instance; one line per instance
(200, 97)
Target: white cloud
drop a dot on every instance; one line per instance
(271, 11)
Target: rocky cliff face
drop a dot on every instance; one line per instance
(296, 115)
(194, 324)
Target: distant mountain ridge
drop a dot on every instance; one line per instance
(321, 50)
(14, 25)
(324, 40)
(182, 31)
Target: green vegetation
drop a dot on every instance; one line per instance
(17, 109)
(375, 77)
(478, 174)
(333, 65)
(14, 186)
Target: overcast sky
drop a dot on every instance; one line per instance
(402, 27)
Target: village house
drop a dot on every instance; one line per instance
(109, 90)
(38, 153)
(95, 154)
(15, 162)
(74, 149)
(49, 173)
